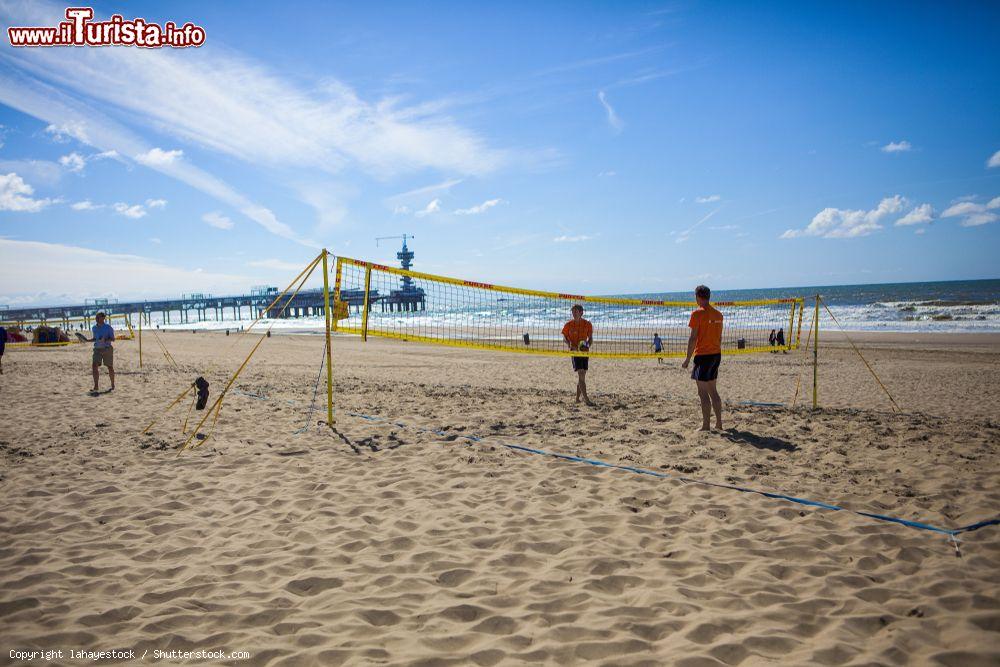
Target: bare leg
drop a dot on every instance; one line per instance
(716, 403)
(582, 387)
(111, 374)
(706, 406)
(94, 369)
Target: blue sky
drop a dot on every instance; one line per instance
(580, 147)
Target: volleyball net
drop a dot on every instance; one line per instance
(60, 331)
(376, 300)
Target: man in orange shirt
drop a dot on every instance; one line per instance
(705, 343)
(579, 336)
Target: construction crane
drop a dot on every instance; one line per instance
(398, 236)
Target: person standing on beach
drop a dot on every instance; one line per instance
(779, 339)
(579, 336)
(3, 344)
(104, 353)
(658, 347)
(705, 344)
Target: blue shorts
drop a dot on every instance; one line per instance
(706, 367)
(580, 363)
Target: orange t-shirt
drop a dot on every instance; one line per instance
(708, 321)
(577, 332)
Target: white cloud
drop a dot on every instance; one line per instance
(479, 208)
(708, 200)
(234, 104)
(73, 162)
(897, 147)
(217, 220)
(918, 216)
(994, 161)
(135, 211)
(686, 234)
(74, 267)
(613, 119)
(433, 207)
(63, 132)
(277, 265)
(835, 223)
(920, 231)
(155, 240)
(973, 214)
(401, 210)
(156, 203)
(607, 173)
(427, 189)
(572, 239)
(157, 157)
(86, 205)
(16, 195)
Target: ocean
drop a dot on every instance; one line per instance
(945, 306)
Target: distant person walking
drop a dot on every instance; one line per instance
(579, 336)
(779, 339)
(104, 353)
(658, 347)
(705, 344)
(772, 339)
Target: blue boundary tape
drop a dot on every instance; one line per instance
(951, 532)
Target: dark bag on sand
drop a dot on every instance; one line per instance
(201, 384)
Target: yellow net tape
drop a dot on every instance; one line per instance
(376, 300)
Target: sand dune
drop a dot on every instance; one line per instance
(404, 542)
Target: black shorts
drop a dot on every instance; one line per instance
(580, 363)
(706, 367)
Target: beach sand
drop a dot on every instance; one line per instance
(389, 544)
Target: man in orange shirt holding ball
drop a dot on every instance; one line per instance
(579, 336)
(705, 343)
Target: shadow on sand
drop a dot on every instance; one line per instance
(759, 441)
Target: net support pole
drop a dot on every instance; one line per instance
(364, 313)
(790, 338)
(329, 353)
(140, 341)
(816, 357)
(798, 334)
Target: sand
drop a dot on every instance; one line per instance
(389, 544)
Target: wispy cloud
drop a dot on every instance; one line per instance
(897, 147)
(156, 203)
(973, 214)
(835, 223)
(16, 195)
(686, 234)
(217, 220)
(427, 189)
(994, 160)
(433, 207)
(918, 216)
(479, 208)
(565, 238)
(73, 162)
(134, 211)
(86, 205)
(157, 157)
(73, 267)
(613, 119)
(599, 60)
(708, 200)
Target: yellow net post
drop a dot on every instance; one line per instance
(791, 330)
(329, 352)
(816, 357)
(336, 293)
(364, 313)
